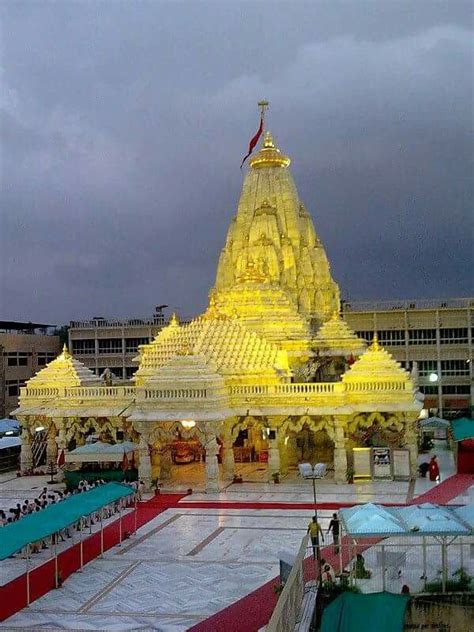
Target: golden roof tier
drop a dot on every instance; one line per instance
(376, 365)
(62, 372)
(274, 228)
(187, 387)
(336, 338)
(239, 354)
(265, 308)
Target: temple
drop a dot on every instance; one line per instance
(269, 372)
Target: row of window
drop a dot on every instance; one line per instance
(20, 358)
(448, 389)
(108, 345)
(448, 367)
(447, 335)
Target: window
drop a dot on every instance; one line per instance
(44, 357)
(456, 389)
(110, 345)
(429, 389)
(391, 337)
(365, 335)
(453, 334)
(422, 336)
(17, 358)
(130, 371)
(132, 344)
(12, 387)
(425, 367)
(454, 367)
(83, 346)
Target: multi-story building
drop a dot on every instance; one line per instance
(436, 334)
(24, 349)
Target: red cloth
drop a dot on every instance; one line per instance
(434, 470)
(61, 459)
(253, 141)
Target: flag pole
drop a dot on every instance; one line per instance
(263, 105)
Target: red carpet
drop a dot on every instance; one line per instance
(216, 504)
(253, 611)
(446, 490)
(42, 579)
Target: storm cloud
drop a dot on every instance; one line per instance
(123, 127)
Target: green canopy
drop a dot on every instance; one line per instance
(462, 428)
(41, 524)
(374, 612)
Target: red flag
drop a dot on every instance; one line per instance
(350, 360)
(254, 140)
(61, 459)
(125, 462)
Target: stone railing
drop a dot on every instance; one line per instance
(285, 615)
(100, 392)
(364, 387)
(175, 393)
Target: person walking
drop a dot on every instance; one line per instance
(314, 531)
(434, 469)
(334, 526)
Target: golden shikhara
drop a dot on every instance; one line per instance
(274, 232)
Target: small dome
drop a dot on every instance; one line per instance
(269, 155)
(61, 372)
(376, 365)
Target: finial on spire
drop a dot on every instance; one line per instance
(174, 321)
(375, 342)
(65, 352)
(263, 105)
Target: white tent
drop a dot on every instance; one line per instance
(100, 452)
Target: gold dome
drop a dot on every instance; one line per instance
(269, 155)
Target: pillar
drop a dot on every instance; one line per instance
(228, 463)
(340, 452)
(144, 464)
(212, 467)
(273, 457)
(51, 446)
(61, 443)
(283, 449)
(410, 441)
(26, 455)
(165, 462)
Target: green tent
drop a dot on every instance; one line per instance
(374, 612)
(41, 524)
(462, 429)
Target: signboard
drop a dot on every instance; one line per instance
(382, 462)
(362, 463)
(401, 464)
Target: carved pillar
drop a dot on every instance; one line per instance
(61, 443)
(410, 442)
(26, 455)
(228, 463)
(273, 457)
(144, 464)
(340, 451)
(165, 462)
(212, 467)
(51, 446)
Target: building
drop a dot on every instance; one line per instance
(437, 335)
(25, 348)
(270, 371)
(102, 343)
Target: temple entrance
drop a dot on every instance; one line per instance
(308, 446)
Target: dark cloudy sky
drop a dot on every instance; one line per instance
(124, 123)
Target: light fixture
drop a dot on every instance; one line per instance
(39, 428)
(433, 377)
(188, 423)
(9, 433)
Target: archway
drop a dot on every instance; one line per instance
(306, 440)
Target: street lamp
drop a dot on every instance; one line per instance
(309, 472)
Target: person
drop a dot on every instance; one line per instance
(334, 527)
(314, 530)
(328, 576)
(423, 469)
(360, 571)
(434, 469)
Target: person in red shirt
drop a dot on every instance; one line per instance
(434, 469)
